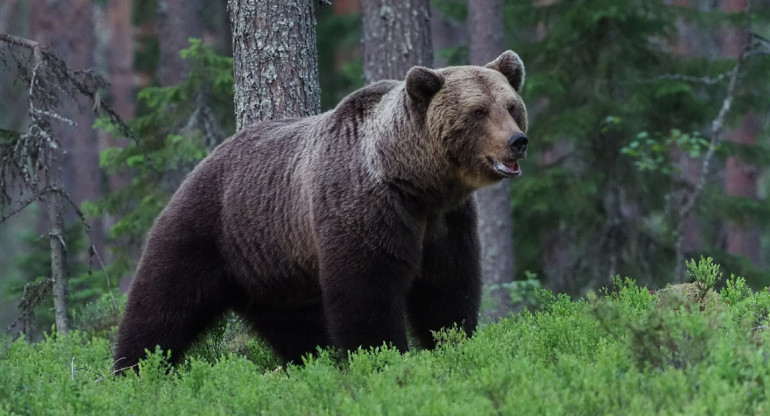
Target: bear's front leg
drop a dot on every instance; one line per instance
(448, 290)
(364, 296)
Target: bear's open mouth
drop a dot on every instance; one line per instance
(509, 168)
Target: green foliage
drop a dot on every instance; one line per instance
(231, 335)
(175, 128)
(614, 112)
(340, 69)
(627, 351)
(101, 315)
(87, 281)
(523, 291)
(705, 272)
(653, 154)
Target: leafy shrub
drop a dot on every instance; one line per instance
(626, 350)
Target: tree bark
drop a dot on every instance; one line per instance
(120, 62)
(741, 181)
(178, 21)
(447, 33)
(275, 61)
(485, 20)
(6, 11)
(68, 29)
(55, 209)
(740, 178)
(53, 198)
(121, 58)
(685, 44)
(396, 38)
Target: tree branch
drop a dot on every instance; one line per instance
(27, 43)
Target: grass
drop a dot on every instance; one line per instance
(625, 351)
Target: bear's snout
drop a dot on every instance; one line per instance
(518, 144)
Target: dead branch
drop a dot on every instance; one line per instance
(15, 40)
(32, 294)
(24, 204)
(695, 80)
(91, 249)
(34, 158)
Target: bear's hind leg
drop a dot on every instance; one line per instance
(291, 331)
(179, 291)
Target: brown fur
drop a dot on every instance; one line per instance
(331, 229)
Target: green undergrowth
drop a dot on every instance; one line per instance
(684, 349)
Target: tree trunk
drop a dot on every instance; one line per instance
(684, 44)
(68, 28)
(741, 181)
(178, 21)
(485, 20)
(740, 178)
(396, 38)
(447, 33)
(53, 198)
(275, 62)
(55, 208)
(121, 57)
(6, 11)
(120, 62)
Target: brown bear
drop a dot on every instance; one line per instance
(339, 229)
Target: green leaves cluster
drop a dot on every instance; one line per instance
(175, 128)
(614, 107)
(654, 153)
(627, 351)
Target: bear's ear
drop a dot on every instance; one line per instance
(423, 83)
(510, 65)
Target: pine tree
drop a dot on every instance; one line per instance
(616, 106)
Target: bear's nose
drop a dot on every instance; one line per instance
(518, 143)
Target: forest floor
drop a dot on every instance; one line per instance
(687, 350)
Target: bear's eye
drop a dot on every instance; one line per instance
(512, 111)
(480, 113)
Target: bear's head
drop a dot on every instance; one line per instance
(476, 116)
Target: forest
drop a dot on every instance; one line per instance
(625, 272)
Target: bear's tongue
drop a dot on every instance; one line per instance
(512, 167)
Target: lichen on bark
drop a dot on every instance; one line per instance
(275, 61)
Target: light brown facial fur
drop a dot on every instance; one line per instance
(475, 114)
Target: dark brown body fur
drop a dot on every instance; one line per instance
(335, 229)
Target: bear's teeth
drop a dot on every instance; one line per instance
(513, 168)
(510, 168)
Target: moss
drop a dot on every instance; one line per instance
(688, 294)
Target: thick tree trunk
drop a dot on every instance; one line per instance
(120, 62)
(485, 20)
(121, 57)
(396, 37)
(68, 27)
(275, 61)
(178, 21)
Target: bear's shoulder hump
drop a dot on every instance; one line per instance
(365, 98)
